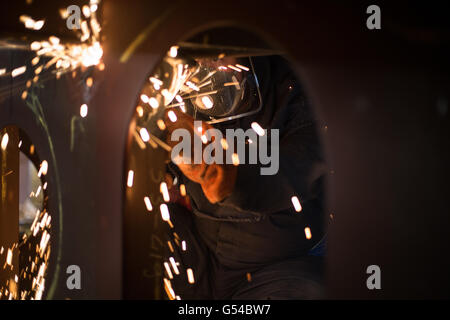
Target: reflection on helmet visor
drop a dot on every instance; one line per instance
(220, 90)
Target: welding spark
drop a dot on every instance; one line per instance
(169, 272)
(190, 275)
(9, 257)
(144, 98)
(156, 81)
(170, 246)
(148, 204)
(164, 212)
(234, 68)
(258, 129)
(144, 134)
(5, 140)
(174, 265)
(235, 159)
(173, 51)
(30, 23)
(242, 67)
(153, 103)
(183, 190)
(130, 178)
(308, 233)
(140, 111)
(83, 110)
(172, 116)
(224, 143)
(169, 290)
(165, 192)
(161, 125)
(18, 71)
(207, 102)
(192, 86)
(296, 203)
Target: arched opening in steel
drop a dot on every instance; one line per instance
(181, 232)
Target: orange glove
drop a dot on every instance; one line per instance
(217, 180)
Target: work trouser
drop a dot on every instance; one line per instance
(293, 278)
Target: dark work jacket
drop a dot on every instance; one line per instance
(257, 223)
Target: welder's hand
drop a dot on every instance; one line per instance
(217, 180)
(175, 194)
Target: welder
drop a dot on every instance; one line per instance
(245, 239)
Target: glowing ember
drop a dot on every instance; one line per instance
(174, 265)
(9, 257)
(144, 98)
(130, 178)
(140, 111)
(190, 275)
(172, 116)
(86, 11)
(83, 110)
(169, 290)
(18, 71)
(224, 143)
(169, 272)
(234, 68)
(207, 102)
(148, 204)
(35, 45)
(156, 81)
(5, 140)
(30, 23)
(164, 212)
(235, 159)
(192, 86)
(43, 168)
(153, 103)
(161, 125)
(183, 190)
(165, 192)
(296, 203)
(258, 129)
(144, 134)
(173, 51)
(308, 233)
(242, 67)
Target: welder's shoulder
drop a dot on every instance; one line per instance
(292, 105)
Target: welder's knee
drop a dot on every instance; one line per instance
(186, 250)
(296, 279)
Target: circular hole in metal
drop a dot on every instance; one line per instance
(25, 223)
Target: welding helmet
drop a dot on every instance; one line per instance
(222, 89)
(211, 89)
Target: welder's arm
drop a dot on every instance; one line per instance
(300, 166)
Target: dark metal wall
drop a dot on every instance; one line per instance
(383, 96)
